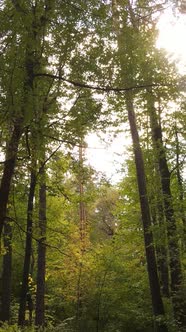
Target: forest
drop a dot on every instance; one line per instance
(79, 252)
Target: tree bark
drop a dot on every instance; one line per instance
(173, 246)
(158, 217)
(28, 249)
(41, 263)
(157, 304)
(181, 189)
(82, 212)
(9, 166)
(82, 231)
(161, 251)
(7, 273)
(162, 264)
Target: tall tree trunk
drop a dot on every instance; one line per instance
(9, 166)
(163, 270)
(82, 213)
(79, 298)
(181, 188)
(161, 252)
(157, 304)
(178, 301)
(28, 249)
(158, 218)
(41, 262)
(98, 310)
(6, 275)
(82, 231)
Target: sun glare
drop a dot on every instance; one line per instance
(108, 158)
(172, 32)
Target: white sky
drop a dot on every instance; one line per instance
(107, 158)
(172, 37)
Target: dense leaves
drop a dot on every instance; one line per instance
(78, 252)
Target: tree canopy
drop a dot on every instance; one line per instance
(79, 253)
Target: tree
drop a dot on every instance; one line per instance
(157, 303)
(7, 273)
(69, 68)
(174, 251)
(41, 263)
(29, 51)
(28, 248)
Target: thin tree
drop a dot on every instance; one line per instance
(82, 231)
(41, 261)
(7, 273)
(180, 185)
(28, 247)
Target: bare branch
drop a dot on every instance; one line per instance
(51, 155)
(38, 239)
(181, 163)
(99, 88)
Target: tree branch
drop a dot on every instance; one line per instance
(178, 165)
(38, 239)
(51, 155)
(99, 88)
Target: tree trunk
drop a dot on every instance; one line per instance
(7, 272)
(82, 231)
(98, 310)
(28, 249)
(158, 218)
(162, 263)
(79, 298)
(157, 304)
(181, 189)
(161, 248)
(82, 212)
(41, 263)
(9, 166)
(173, 246)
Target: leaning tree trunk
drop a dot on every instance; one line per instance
(157, 304)
(179, 305)
(6, 275)
(41, 263)
(28, 249)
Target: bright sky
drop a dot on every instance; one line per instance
(107, 158)
(172, 37)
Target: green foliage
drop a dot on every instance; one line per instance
(99, 283)
(14, 328)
